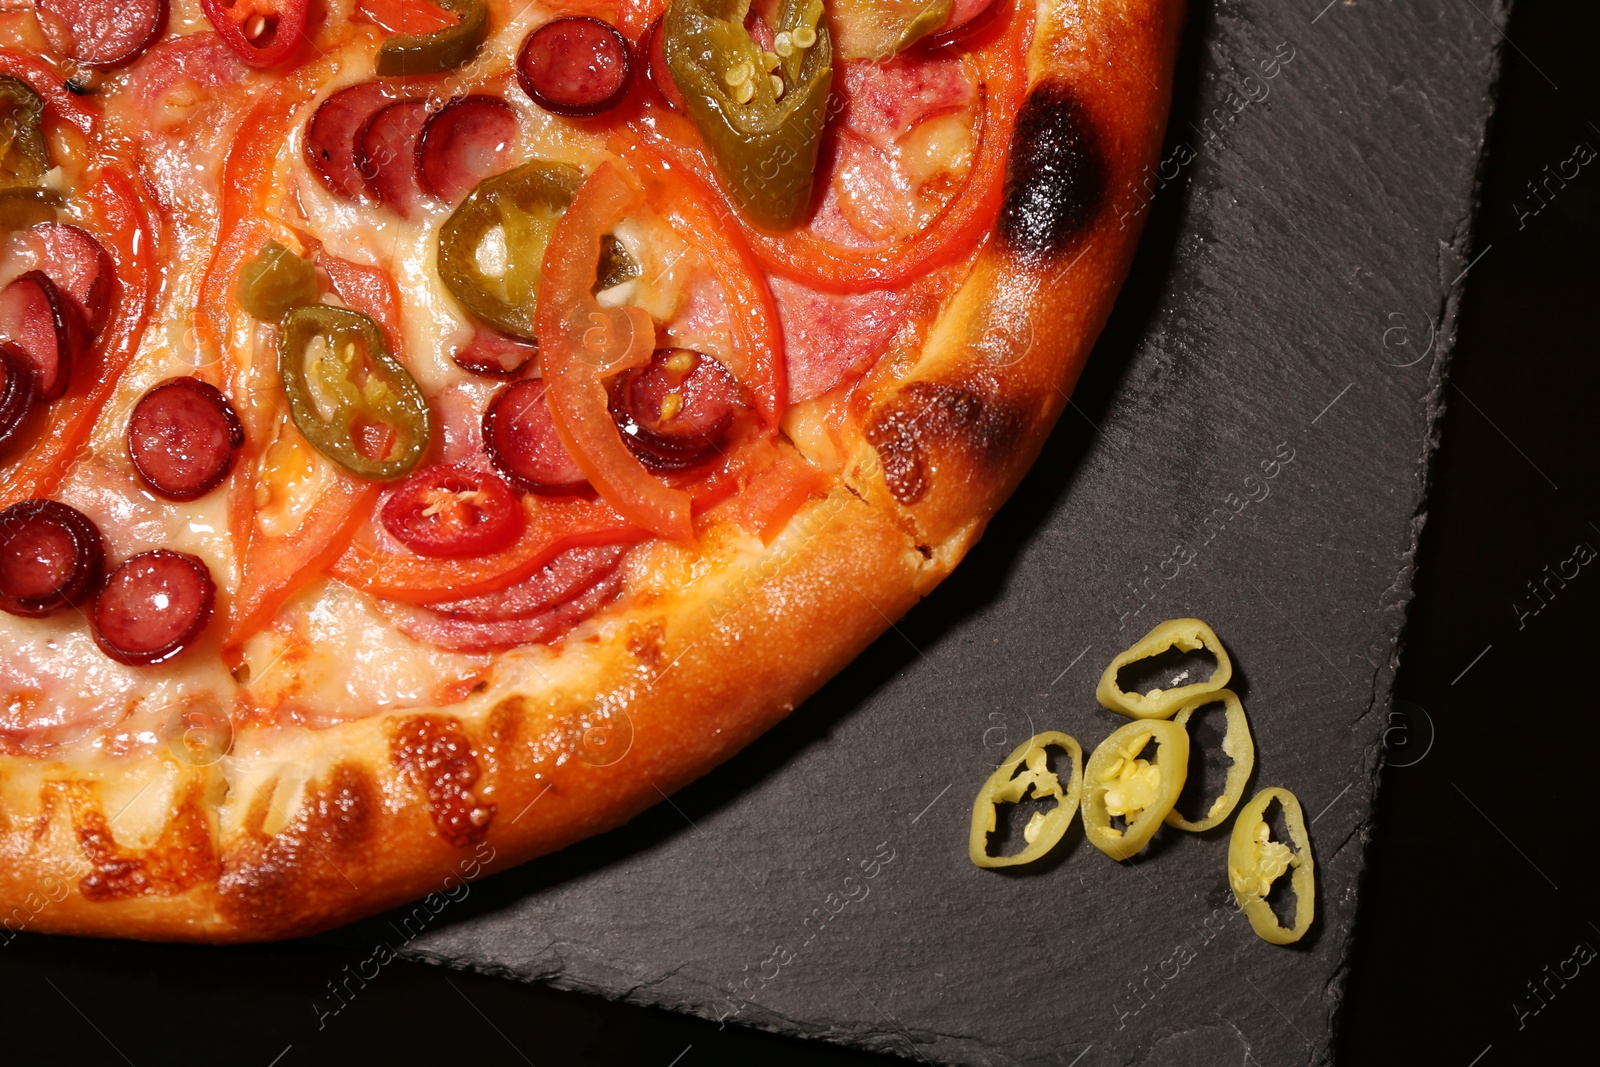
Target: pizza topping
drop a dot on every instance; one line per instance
(760, 113)
(263, 33)
(39, 320)
(441, 49)
(491, 249)
(464, 142)
(675, 411)
(1256, 860)
(656, 67)
(350, 398)
(50, 555)
(275, 282)
(24, 154)
(453, 511)
(153, 607)
(79, 265)
(877, 29)
(1121, 784)
(582, 343)
(17, 393)
(330, 139)
(566, 591)
(967, 17)
(520, 435)
(21, 208)
(576, 67)
(386, 155)
(492, 354)
(182, 438)
(101, 33)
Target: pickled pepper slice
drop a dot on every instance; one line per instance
(24, 155)
(1255, 861)
(1237, 745)
(877, 29)
(275, 282)
(1118, 781)
(351, 399)
(1184, 634)
(445, 49)
(761, 114)
(1024, 770)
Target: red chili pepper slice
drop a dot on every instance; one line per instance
(263, 33)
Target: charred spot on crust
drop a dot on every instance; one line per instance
(434, 755)
(286, 882)
(1056, 176)
(181, 857)
(929, 416)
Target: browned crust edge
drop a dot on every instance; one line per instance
(294, 834)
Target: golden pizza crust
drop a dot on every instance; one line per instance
(296, 831)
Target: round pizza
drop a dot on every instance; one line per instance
(432, 433)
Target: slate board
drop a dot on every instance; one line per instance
(1296, 292)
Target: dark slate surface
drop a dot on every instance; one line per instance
(1295, 296)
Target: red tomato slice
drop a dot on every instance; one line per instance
(263, 33)
(377, 563)
(453, 511)
(124, 226)
(410, 18)
(581, 344)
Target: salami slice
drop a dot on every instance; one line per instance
(79, 265)
(492, 354)
(153, 607)
(463, 143)
(44, 325)
(520, 435)
(386, 155)
(576, 67)
(674, 411)
(182, 437)
(330, 141)
(50, 555)
(102, 33)
(17, 394)
(570, 589)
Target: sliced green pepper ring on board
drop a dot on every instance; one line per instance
(761, 114)
(439, 51)
(1187, 635)
(24, 155)
(1027, 768)
(1237, 745)
(877, 29)
(1255, 861)
(1119, 782)
(351, 399)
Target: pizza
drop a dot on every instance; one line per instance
(432, 433)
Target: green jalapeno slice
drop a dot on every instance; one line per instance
(21, 208)
(24, 155)
(1255, 861)
(877, 29)
(1027, 768)
(275, 282)
(492, 246)
(761, 114)
(1118, 781)
(350, 398)
(1237, 745)
(442, 50)
(1184, 634)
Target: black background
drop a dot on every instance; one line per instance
(1465, 901)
